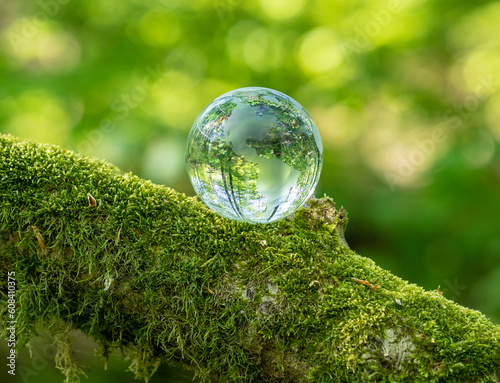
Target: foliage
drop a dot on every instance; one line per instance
(404, 93)
(143, 268)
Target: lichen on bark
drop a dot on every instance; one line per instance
(154, 272)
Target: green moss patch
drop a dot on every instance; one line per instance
(157, 274)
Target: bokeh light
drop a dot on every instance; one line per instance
(405, 94)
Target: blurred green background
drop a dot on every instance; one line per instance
(405, 94)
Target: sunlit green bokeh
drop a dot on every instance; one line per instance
(405, 94)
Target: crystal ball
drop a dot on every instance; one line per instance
(254, 155)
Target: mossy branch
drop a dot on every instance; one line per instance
(141, 267)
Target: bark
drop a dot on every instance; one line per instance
(141, 267)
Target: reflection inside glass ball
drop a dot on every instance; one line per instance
(254, 154)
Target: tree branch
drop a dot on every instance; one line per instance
(140, 266)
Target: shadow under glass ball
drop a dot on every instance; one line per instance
(254, 154)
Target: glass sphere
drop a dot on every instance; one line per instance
(254, 154)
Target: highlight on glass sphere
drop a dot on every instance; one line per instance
(254, 155)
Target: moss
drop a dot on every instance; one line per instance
(156, 273)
